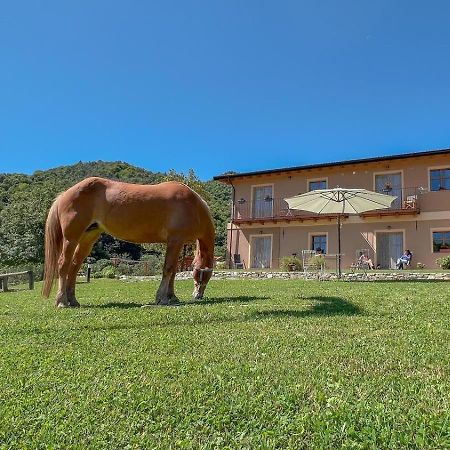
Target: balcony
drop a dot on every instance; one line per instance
(407, 203)
(271, 210)
(277, 210)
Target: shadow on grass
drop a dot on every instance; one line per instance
(323, 306)
(206, 301)
(118, 305)
(318, 306)
(219, 300)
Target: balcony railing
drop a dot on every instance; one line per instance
(407, 201)
(277, 208)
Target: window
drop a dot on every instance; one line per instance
(440, 179)
(319, 243)
(262, 201)
(317, 184)
(441, 241)
(390, 184)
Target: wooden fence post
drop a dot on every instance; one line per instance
(30, 280)
(88, 273)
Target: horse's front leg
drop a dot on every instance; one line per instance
(166, 288)
(82, 251)
(64, 263)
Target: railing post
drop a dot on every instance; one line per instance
(30, 280)
(5, 284)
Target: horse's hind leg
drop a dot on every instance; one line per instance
(64, 263)
(166, 288)
(82, 251)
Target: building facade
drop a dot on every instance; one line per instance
(263, 229)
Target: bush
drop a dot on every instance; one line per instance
(99, 265)
(124, 268)
(108, 272)
(444, 262)
(221, 265)
(290, 264)
(318, 262)
(152, 264)
(148, 265)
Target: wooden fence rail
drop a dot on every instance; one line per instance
(4, 279)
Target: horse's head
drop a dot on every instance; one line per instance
(201, 278)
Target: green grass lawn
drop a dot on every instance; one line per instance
(257, 365)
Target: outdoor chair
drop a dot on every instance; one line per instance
(361, 261)
(237, 263)
(404, 264)
(309, 261)
(410, 202)
(286, 212)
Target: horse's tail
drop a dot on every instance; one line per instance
(53, 247)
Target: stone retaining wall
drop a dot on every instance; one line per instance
(400, 275)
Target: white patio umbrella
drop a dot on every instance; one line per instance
(339, 202)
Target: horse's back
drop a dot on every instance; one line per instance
(138, 213)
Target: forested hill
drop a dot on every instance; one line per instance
(25, 200)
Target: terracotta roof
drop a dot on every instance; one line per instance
(227, 177)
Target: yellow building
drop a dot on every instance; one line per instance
(263, 229)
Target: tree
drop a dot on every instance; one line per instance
(26, 199)
(22, 223)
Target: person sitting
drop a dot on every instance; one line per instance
(365, 260)
(404, 260)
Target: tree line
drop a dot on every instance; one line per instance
(26, 199)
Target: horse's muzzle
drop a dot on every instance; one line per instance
(199, 291)
(201, 278)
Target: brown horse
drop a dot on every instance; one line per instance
(168, 212)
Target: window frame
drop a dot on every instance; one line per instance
(315, 180)
(311, 237)
(252, 195)
(435, 168)
(439, 230)
(388, 172)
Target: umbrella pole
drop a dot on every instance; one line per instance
(339, 245)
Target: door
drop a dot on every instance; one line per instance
(261, 252)
(262, 201)
(390, 184)
(389, 249)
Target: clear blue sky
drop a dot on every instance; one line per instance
(221, 85)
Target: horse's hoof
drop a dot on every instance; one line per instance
(174, 302)
(62, 305)
(74, 304)
(161, 303)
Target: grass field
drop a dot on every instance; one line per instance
(257, 365)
